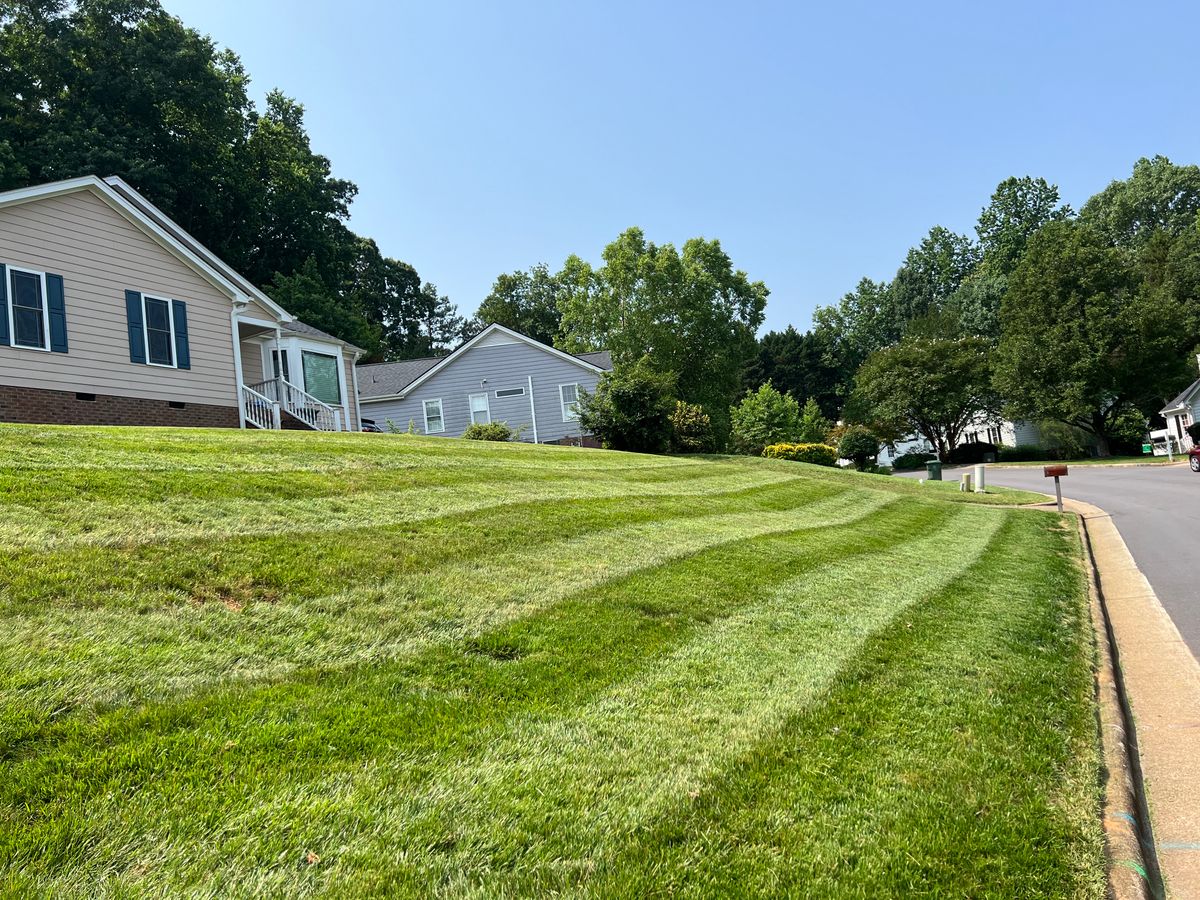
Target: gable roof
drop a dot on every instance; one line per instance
(311, 331)
(380, 381)
(158, 226)
(1183, 400)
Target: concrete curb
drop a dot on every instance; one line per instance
(1156, 679)
(1128, 838)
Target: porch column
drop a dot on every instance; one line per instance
(238, 305)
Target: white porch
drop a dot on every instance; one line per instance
(287, 380)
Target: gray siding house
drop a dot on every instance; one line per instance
(497, 376)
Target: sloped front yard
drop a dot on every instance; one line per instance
(247, 664)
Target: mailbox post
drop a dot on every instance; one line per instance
(1056, 472)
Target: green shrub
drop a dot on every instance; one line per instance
(1021, 453)
(691, 429)
(817, 454)
(859, 446)
(813, 424)
(914, 459)
(762, 418)
(631, 409)
(492, 431)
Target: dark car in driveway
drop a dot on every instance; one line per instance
(1194, 458)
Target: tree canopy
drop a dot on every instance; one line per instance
(526, 301)
(1082, 340)
(932, 387)
(691, 313)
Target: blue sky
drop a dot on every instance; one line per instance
(818, 144)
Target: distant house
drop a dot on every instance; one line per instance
(1181, 412)
(497, 376)
(112, 314)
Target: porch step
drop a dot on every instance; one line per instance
(288, 422)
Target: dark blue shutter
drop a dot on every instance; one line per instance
(3, 306)
(137, 335)
(183, 358)
(57, 305)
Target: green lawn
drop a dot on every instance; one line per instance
(352, 665)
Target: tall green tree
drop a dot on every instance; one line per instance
(931, 273)
(849, 331)
(691, 312)
(797, 363)
(526, 301)
(1159, 195)
(934, 387)
(1083, 341)
(1018, 208)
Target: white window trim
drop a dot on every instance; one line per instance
(441, 414)
(174, 364)
(12, 321)
(566, 416)
(505, 393)
(487, 407)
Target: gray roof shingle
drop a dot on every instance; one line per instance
(386, 379)
(298, 327)
(1183, 398)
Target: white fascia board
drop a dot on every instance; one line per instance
(122, 187)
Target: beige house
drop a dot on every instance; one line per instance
(111, 313)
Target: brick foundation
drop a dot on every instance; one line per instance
(43, 407)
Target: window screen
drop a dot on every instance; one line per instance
(321, 377)
(433, 417)
(480, 413)
(570, 398)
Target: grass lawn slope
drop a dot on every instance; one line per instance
(238, 663)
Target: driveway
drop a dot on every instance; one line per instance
(1157, 511)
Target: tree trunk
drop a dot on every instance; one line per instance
(1100, 431)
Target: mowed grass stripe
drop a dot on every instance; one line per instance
(249, 568)
(68, 522)
(238, 752)
(556, 796)
(50, 661)
(955, 755)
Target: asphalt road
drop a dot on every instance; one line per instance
(1157, 511)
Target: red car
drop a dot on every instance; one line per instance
(1194, 458)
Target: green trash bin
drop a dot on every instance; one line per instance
(933, 470)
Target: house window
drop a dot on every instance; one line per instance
(433, 417)
(278, 356)
(160, 331)
(510, 392)
(568, 395)
(29, 317)
(321, 377)
(481, 413)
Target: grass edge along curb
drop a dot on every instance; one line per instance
(1133, 872)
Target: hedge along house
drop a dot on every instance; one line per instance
(499, 375)
(112, 314)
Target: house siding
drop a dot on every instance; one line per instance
(100, 255)
(504, 365)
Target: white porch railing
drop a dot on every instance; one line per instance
(261, 411)
(308, 409)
